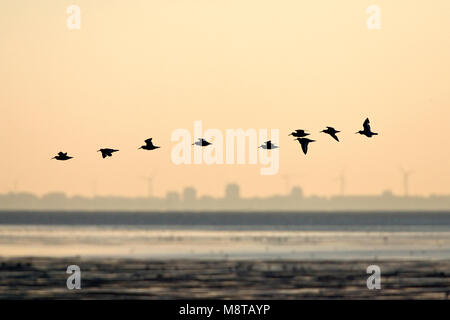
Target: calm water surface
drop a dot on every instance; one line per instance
(227, 242)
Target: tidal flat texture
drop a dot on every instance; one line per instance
(45, 278)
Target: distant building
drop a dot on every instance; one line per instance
(297, 192)
(172, 200)
(232, 192)
(189, 194)
(232, 200)
(387, 194)
(172, 196)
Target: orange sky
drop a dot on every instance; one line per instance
(140, 69)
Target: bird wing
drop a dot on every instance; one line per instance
(301, 133)
(149, 142)
(304, 144)
(62, 153)
(334, 136)
(366, 125)
(104, 154)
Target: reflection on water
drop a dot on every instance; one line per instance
(203, 242)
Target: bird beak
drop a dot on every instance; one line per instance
(290, 134)
(139, 148)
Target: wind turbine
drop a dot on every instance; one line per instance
(15, 186)
(406, 174)
(342, 182)
(149, 179)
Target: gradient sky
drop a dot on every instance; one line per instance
(140, 69)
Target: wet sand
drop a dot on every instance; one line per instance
(45, 278)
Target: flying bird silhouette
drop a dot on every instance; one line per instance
(149, 145)
(367, 132)
(332, 132)
(107, 152)
(62, 156)
(201, 142)
(299, 133)
(304, 143)
(268, 145)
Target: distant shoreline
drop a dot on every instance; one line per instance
(232, 218)
(232, 201)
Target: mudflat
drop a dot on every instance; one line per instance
(45, 278)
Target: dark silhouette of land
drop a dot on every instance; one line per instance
(231, 201)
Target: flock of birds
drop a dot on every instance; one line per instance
(300, 135)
